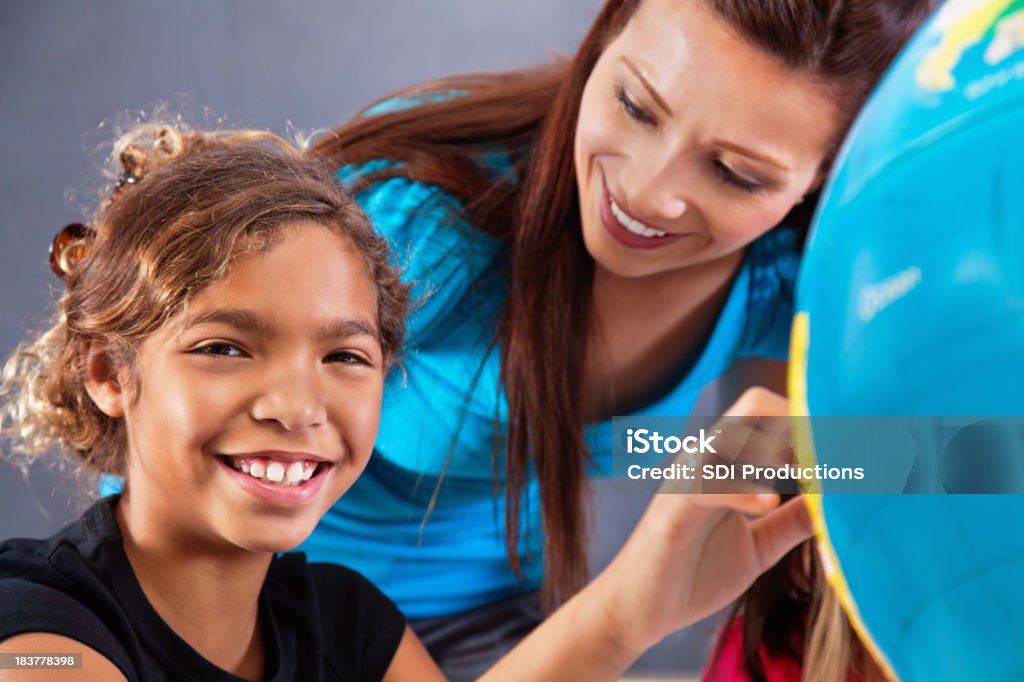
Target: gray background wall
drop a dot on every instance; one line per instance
(66, 66)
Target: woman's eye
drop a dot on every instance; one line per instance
(346, 358)
(225, 350)
(733, 179)
(631, 108)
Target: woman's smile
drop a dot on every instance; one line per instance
(629, 231)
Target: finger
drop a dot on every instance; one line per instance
(755, 440)
(747, 503)
(781, 530)
(758, 401)
(756, 429)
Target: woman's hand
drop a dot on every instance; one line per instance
(690, 555)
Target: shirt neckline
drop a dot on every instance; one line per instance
(713, 358)
(159, 638)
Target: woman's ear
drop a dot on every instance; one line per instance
(101, 380)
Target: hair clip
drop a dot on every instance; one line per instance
(123, 180)
(68, 247)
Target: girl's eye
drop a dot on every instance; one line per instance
(346, 358)
(220, 349)
(632, 110)
(731, 178)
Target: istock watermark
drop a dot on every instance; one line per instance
(832, 455)
(642, 441)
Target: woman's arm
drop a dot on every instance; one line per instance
(689, 556)
(95, 666)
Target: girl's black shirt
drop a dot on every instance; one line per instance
(318, 621)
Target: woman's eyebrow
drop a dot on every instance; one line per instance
(658, 99)
(745, 151)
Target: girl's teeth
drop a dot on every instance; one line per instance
(288, 474)
(293, 474)
(275, 472)
(634, 226)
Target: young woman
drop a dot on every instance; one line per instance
(604, 236)
(227, 321)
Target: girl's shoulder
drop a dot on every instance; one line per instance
(60, 585)
(360, 627)
(86, 542)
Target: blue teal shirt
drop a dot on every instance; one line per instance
(438, 417)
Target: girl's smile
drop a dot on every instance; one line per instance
(284, 479)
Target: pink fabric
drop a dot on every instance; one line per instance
(730, 661)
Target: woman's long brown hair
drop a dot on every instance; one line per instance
(543, 333)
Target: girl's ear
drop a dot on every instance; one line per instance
(101, 381)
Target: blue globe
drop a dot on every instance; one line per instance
(911, 302)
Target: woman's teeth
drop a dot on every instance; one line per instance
(634, 226)
(274, 471)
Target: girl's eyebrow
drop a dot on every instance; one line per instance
(346, 328)
(249, 321)
(243, 320)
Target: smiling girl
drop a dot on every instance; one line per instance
(227, 321)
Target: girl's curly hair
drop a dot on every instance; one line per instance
(186, 205)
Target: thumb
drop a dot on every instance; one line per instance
(781, 530)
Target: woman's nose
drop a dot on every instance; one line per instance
(656, 191)
(292, 398)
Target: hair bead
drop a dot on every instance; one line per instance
(68, 247)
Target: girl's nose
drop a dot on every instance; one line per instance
(292, 400)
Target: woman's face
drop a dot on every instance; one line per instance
(690, 142)
(258, 405)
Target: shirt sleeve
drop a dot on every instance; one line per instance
(774, 262)
(30, 607)
(437, 252)
(362, 626)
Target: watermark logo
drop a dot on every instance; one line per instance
(834, 455)
(646, 441)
